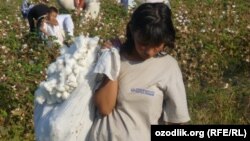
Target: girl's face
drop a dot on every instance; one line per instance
(145, 51)
(52, 16)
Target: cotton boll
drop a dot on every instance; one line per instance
(76, 70)
(82, 57)
(82, 62)
(60, 87)
(40, 99)
(67, 88)
(71, 78)
(42, 84)
(68, 70)
(71, 81)
(58, 95)
(39, 96)
(65, 95)
(43, 90)
(71, 88)
(50, 84)
(47, 87)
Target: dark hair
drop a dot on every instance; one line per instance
(153, 24)
(53, 9)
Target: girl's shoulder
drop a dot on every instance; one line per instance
(167, 62)
(168, 58)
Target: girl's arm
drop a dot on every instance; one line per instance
(105, 96)
(53, 22)
(79, 4)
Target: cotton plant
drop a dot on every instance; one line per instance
(68, 71)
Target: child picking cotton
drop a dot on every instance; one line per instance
(50, 26)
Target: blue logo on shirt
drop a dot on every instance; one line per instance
(142, 91)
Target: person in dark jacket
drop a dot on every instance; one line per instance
(35, 16)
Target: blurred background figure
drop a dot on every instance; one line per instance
(91, 7)
(35, 15)
(72, 4)
(27, 5)
(50, 26)
(132, 3)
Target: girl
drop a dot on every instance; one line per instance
(151, 89)
(50, 26)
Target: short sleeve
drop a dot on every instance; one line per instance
(175, 109)
(108, 63)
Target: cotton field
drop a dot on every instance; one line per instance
(212, 49)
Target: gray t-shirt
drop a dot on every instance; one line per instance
(149, 92)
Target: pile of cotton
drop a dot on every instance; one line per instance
(68, 71)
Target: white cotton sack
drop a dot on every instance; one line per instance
(67, 113)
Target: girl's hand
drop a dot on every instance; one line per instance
(107, 44)
(53, 22)
(116, 42)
